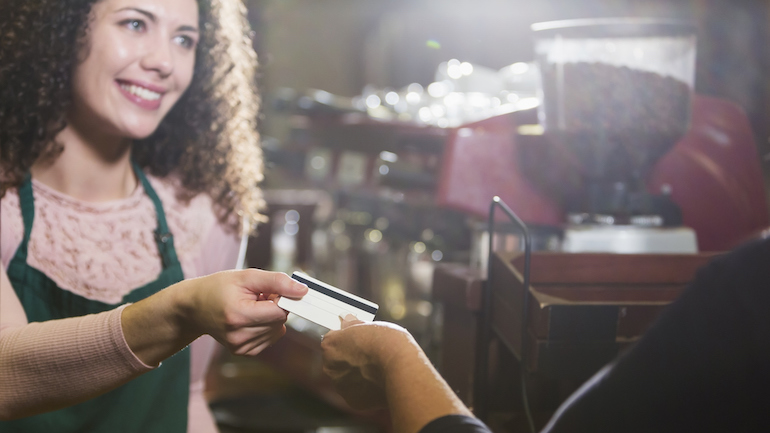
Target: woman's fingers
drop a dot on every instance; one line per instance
(250, 341)
(271, 283)
(263, 312)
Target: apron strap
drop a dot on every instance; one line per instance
(27, 203)
(163, 237)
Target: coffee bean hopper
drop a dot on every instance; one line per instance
(616, 97)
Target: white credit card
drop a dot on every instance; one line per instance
(324, 304)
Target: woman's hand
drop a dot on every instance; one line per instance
(237, 308)
(358, 356)
(234, 307)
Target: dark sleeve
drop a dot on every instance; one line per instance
(702, 366)
(455, 424)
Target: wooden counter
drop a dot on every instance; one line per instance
(583, 309)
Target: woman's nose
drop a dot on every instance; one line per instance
(159, 59)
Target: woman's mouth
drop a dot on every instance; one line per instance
(142, 96)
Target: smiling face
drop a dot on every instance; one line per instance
(139, 60)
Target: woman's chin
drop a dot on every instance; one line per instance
(140, 132)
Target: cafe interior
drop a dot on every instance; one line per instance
(523, 185)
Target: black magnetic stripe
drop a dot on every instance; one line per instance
(336, 295)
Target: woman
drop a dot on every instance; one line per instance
(122, 123)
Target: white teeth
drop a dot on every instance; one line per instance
(141, 92)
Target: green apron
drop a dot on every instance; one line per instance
(154, 402)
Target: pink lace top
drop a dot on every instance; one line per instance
(102, 251)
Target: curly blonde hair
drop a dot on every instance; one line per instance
(209, 140)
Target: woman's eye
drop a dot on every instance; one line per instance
(185, 41)
(135, 25)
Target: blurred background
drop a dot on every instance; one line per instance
(342, 46)
(387, 128)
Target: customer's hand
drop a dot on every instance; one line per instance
(358, 357)
(373, 364)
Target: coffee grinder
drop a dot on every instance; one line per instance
(616, 96)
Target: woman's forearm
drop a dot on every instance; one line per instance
(159, 326)
(48, 365)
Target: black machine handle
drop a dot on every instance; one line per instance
(480, 379)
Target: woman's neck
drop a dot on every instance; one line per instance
(92, 167)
